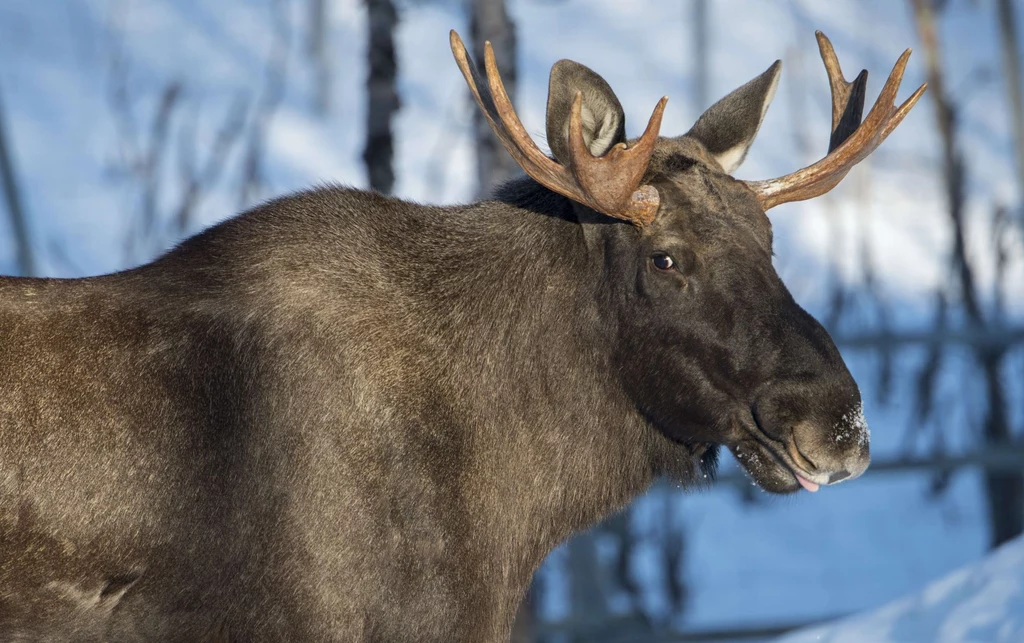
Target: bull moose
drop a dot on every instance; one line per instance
(340, 416)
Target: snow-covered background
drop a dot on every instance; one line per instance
(845, 549)
(982, 603)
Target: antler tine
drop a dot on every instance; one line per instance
(901, 113)
(611, 181)
(824, 175)
(609, 184)
(847, 97)
(497, 108)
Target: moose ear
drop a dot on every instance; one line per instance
(604, 122)
(729, 126)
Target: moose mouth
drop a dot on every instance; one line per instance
(772, 463)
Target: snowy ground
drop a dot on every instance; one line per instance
(845, 549)
(980, 603)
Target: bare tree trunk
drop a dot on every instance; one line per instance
(319, 55)
(275, 82)
(382, 95)
(489, 22)
(701, 59)
(12, 195)
(589, 604)
(1005, 490)
(1012, 71)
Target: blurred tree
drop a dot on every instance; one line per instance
(275, 80)
(1007, 20)
(587, 594)
(12, 197)
(381, 94)
(701, 66)
(318, 51)
(489, 22)
(1005, 488)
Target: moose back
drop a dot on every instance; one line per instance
(344, 417)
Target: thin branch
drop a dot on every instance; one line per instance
(970, 337)
(196, 182)
(156, 152)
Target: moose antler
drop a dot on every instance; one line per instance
(609, 184)
(851, 140)
(847, 97)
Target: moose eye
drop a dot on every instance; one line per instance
(662, 261)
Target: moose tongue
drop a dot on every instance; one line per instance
(807, 484)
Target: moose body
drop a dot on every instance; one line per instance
(344, 417)
(315, 439)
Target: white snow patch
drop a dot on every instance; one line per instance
(981, 602)
(852, 426)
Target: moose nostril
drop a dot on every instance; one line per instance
(801, 459)
(837, 476)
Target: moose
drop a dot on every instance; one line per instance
(341, 416)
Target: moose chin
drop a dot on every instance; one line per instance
(341, 416)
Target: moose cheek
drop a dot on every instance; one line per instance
(663, 287)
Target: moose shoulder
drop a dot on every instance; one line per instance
(340, 416)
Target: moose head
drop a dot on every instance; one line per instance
(708, 342)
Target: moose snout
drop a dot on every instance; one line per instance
(832, 453)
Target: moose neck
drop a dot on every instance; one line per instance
(494, 333)
(567, 447)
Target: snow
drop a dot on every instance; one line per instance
(980, 603)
